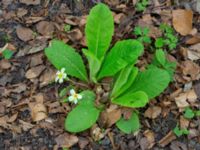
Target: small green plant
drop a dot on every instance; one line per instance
(141, 5)
(142, 34)
(7, 54)
(189, 113)
(169, 40)
(130, 87)
(67, 27)
(179, 132)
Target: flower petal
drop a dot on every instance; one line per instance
(75, 101)
(63, 70)
(64, 76)
(72, 92)
(56, 79)
(60, 80)
(57, 73)
(71, 98)
(79, 96)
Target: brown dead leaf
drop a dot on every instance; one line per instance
(21, 12)
(26, 125)
(181, 101)
(34, 72)
(45, 28)
(83, 142)
(150, 138)
(5, 64)
(75, 35)
(193, 52)
(110, 116)
(38, 111)
(24, 34)
(66, 140)
(167, 139)
(182, 21)
(96, 133)
(119, 17)
(193, 40)
(47, 77)
(12, 118)
(30, 2)
(153, 112)
(191, 69)
(184, 123)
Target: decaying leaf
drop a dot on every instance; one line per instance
(24, 34)
(153, 112)
(45, 28)
(194, 52)
(30, 2)
(150, 138)
(167, 139)
(182, 21)
(110, 116)
(66, 140)
(34, 72)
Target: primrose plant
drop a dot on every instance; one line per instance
(130, 87)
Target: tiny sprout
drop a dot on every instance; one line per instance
(61, 76)
(74, 96)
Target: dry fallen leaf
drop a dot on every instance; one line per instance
(66, 140)
(47, 77)
(184, 123)
(182, 21)
(167, 139)
(110, 116)
(181, 101)
(38, 111)
(30, 2)
(153, 112)
(193, 52)
(34, 72)
(75, 35)
(45, 28)
(150, 138)
(24, 34)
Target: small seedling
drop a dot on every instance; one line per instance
(141, 5)
(67, 27)
(179, 132)
(130, 88)
(7, 54)
(189, 113)
(142, 34)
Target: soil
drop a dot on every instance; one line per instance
(19, 131)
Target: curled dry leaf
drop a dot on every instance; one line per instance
(75, 35)
(150, 138)
(96, 133)
(182, 21)
(45, 28)
(47, 77)
(184, 123)
(66, 140)
(24, 34)
(153, 112)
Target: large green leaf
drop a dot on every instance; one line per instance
(129, 126)
(132, 99)
(124, 80)
(62, 55)
(123, 53)
(94, 64)
(99, 30)
(152, 81)
(84, 115)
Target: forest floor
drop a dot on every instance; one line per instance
(27, 26)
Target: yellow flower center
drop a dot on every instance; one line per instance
(75, 96)
(60, 75)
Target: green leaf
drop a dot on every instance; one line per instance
(129, 126)
(7, 54)
(177, 131)
(159, 42)
(94, 64)
(160, 56)
(189, 113)
(62, 55)
(99, 30)
(123, 53)
(63, 92)
(152, 81)
(137, 30)
(132, 99)
(124, 80)
(197, 113)
(84, 115)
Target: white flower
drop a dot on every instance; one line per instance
(74, 96)
(61, 76)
